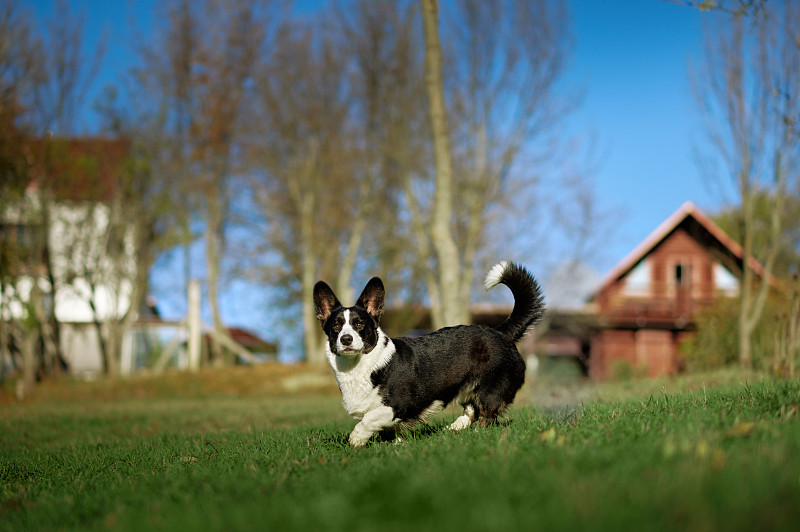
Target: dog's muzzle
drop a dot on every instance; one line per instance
(348, 345)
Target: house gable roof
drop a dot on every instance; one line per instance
(78, 169)
(251, 341)
(699, 226)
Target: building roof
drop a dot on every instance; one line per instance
(251, 341)
(78, 169)
(701, 227)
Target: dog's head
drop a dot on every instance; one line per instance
(351, 331)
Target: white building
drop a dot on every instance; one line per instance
(89, 248)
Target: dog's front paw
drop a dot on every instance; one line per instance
(460, 423)
(358, 440)
(375, 420)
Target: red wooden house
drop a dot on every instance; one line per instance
(646, 303)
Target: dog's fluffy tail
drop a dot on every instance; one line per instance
(528, 298)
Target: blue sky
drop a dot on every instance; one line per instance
(631, 59)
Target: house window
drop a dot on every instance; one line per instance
(682, 275)
(724, 281)
(638, 281)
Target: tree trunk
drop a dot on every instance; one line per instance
(28, 363)
(52, 328)
(314, 354)
(107, 355)
(449, 268)
(5, 337)
(28, 345)
(213, 245)
(752, 299)
(745, 341)
(746, 289)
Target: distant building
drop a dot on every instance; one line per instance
(58, 238)
(262, 350)
(646, 304)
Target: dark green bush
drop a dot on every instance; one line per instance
(716, 342)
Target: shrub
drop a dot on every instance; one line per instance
(715, 344)
(716, 341)
(623, 370)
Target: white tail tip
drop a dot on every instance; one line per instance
(495, 274)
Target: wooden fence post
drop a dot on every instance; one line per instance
(193, 323)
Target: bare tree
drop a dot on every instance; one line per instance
(228, 63)
(384, 43)
(502, 88)
(163, 92)
(69, 72)
(202, 82)
(176, 87)
(507, 94)
(748, 90)
(340, 134)
(305, 184)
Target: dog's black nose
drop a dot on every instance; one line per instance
(346, 339)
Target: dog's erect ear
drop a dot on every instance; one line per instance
(325, 301)
(371, 299)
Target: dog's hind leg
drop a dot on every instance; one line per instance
(491, 406)
(494, 396)
(465, 420)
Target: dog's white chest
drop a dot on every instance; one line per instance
(358, 397)
(354, 377)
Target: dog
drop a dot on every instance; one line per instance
(390, 383)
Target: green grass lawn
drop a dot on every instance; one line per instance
(634, 456)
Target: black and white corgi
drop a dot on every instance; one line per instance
(390, 382)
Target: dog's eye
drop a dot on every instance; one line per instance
(337, 327)
(358, 325)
